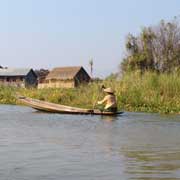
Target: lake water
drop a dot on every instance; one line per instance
(41, 146)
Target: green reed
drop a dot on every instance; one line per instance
(148, 92)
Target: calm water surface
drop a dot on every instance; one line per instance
(40, 146)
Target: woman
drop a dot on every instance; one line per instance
(109, 100)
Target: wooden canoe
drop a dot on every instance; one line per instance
(57, 108)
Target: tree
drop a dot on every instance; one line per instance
(155, 48)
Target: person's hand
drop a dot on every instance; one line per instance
(103, 87)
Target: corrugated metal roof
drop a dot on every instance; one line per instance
(63, 73)
(14, 71)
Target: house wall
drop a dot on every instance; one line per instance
(31, 80)
(20, 81)
(57, 84)
(16, 81)
(82, 77)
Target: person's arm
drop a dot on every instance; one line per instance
(103, 101)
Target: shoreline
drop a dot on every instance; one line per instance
(135, 93)
(149, 112)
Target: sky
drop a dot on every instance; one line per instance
(53, 33)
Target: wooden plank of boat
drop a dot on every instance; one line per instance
(51, 107)
(57, 108)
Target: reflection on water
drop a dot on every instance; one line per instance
(110, 118)
(152, 163)
(43, 146)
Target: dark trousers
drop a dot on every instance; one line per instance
(111, 109)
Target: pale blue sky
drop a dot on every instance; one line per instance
(50, 33)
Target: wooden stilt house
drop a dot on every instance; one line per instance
(19, 77)
(65, 77)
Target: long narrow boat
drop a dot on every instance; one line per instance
(57, 108)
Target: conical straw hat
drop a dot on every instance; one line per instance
(109, 90)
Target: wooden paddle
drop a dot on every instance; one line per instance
(100, 90)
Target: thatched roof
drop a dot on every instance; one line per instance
(64, 73)
(14, 71)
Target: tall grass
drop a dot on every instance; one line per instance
(149, 92)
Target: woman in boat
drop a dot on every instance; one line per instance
(109, 100)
